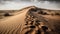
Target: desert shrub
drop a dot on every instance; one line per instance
(57, 14)
(40, 12)
(7, 14)
(44, 13)
(52, 14)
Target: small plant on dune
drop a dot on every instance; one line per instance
(7, 14)
(52, 14)
(40, 12)
(44, 13)
(57, 14)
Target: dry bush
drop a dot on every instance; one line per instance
(7, 14)
(57, 14)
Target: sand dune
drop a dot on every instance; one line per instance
(30, 20)
(13, 23)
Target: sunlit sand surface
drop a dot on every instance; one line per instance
(27, 19)
(13, 24)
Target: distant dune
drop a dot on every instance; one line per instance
(12, 12)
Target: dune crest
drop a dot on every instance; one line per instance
(32, 20)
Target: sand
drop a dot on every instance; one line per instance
(15, 24)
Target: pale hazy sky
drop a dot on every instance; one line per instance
(16, 5)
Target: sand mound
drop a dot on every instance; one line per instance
(32, 20)
(12, 25)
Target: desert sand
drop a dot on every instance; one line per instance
(28, 19)
(13, 24)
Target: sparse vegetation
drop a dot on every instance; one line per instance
(40, 12)
(7, 14)
(35, 23)
(57, 14)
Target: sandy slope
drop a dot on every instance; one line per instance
(12, 25)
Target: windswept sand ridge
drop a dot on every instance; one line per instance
(30, 21)
(20, 11)
(12, 12)
(13, 24)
